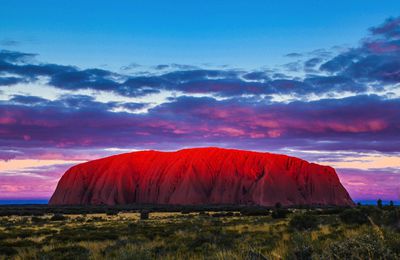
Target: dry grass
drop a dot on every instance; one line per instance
(173, 235)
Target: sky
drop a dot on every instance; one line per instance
(319, 80)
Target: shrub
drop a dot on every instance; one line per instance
(67, 253)
(392, 240)
(222, 214)
(185, 211)
(203, 214)
(379, 203)
(111, 212)
(254, 212)
(303, 222)
(58, 217)
(353, 216)
(364, 246)
(279, 213)
(3, 236)
(391, 217)
(7, 251)
(37, 220)
(20, 243)
(300, 247)
(144, 214)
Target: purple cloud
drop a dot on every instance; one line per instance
(356, 123)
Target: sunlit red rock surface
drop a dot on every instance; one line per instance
(200, 176)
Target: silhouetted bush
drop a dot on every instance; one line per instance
(186, 211)
(379, 203)
(254, 212)
(222, 214)
(279, 213)
(144, 214)
(58, 217)
(38, 220)
(353, 216)
(391, 217)
(303, 222)
(111, 212)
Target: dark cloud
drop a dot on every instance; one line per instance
(389, 29)
(362, 123)
(294, 55)
(376, 60)
(8, 81)
(131, 66)
(161, 67)
(293, 66)
(311, 63)
(371, 66)
(257, 76)
(28, 100)
(84, 79)
(13, 56)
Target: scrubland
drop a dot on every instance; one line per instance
(363, 232)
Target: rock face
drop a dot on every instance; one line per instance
(200, 176)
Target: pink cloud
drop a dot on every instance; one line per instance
(371, 184)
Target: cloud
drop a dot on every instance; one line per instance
(37, 182)
(361, 123)
(294, 55)
(371, 184)
(377, 59)
(369, 67)
(9, 43)
(8, 81)
(245, 117)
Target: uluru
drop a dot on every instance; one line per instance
(200, 176)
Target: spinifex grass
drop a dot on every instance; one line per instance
(303, 234)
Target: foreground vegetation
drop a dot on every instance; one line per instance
(363, 232)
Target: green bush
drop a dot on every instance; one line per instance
(300, 247)
(353, 216)
(303, 222)
(364, 246)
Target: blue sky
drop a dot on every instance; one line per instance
(244, 34)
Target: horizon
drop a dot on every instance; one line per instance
(81, 81)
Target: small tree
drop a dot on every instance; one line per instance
(144, 214)
(379, 203)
